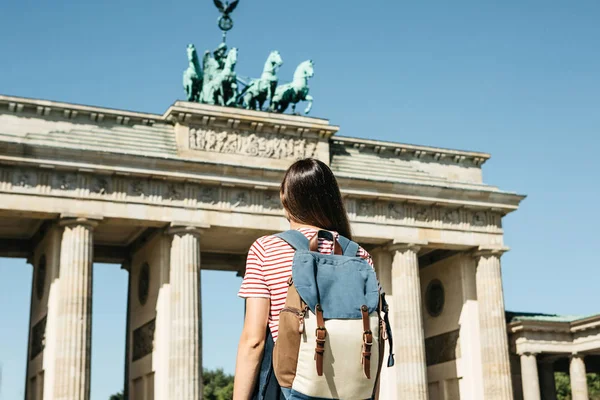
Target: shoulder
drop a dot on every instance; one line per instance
(362, 253)
(266, 245)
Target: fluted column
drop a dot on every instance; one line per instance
(411, 369)
(185, 360)
(530, 377)
(547, 381)
(497, 384)
(579, 389)
(74, 319)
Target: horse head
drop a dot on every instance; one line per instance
(275, 59)
(304, 70)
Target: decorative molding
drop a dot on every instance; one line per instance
(249, 144)
(404, 247)
(484, 252)
(143, 340)
(38, 338)
(442, 348)
(190, 195)
(391, 149)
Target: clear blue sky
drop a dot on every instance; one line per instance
(518, 79)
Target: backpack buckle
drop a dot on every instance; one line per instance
(368, 338)
(320, 330)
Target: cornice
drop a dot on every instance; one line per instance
(576, 326)
(47, 108)
(414, 151)
(205, 115)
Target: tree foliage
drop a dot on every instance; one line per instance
(217, 385)
(563, 386)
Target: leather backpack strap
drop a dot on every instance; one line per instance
(321, 334)
(367, 341)
(314, 242)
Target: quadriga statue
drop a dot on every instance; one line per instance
(192, 76)
(295, 91)
(261, 90)
(221, 89)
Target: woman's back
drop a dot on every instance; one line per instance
(269, 268)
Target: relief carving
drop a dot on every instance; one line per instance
(208, 195)
(100, 186)
(174, 191)
(271, 200)
(423, 214)
(479, 218)
(38, 338)
(396, 211)
(137, 188)
(442, 348)
(451, 217)
(66, 181)
(143, 340)
(23, 180)
(268, 146)
(240, 199)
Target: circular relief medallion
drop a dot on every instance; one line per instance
(40, 278)
(144, 283)
(435, 298)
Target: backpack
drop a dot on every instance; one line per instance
(331, 333)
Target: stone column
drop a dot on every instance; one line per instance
(579, 389)
(74, 319)
(497, 384)
(185, 360)
(529, 377)
(411, 368)
(547, 381)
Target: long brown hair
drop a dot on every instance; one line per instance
(310, 194)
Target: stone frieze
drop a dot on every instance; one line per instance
(85, 185)
(251, 144)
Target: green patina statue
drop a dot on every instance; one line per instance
(192, 76)
(260, 90)
(295, 91)
(216, 82)
(220, 83)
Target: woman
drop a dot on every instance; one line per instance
(312, 201)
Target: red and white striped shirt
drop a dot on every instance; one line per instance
(269, 266)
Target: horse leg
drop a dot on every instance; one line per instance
(310, 102)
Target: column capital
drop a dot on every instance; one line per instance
(486, 252)
(182, 228)
(529, 353)
(91, 221)
(577, 356)
(402, 247)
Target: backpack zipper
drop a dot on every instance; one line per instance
(301, 314)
